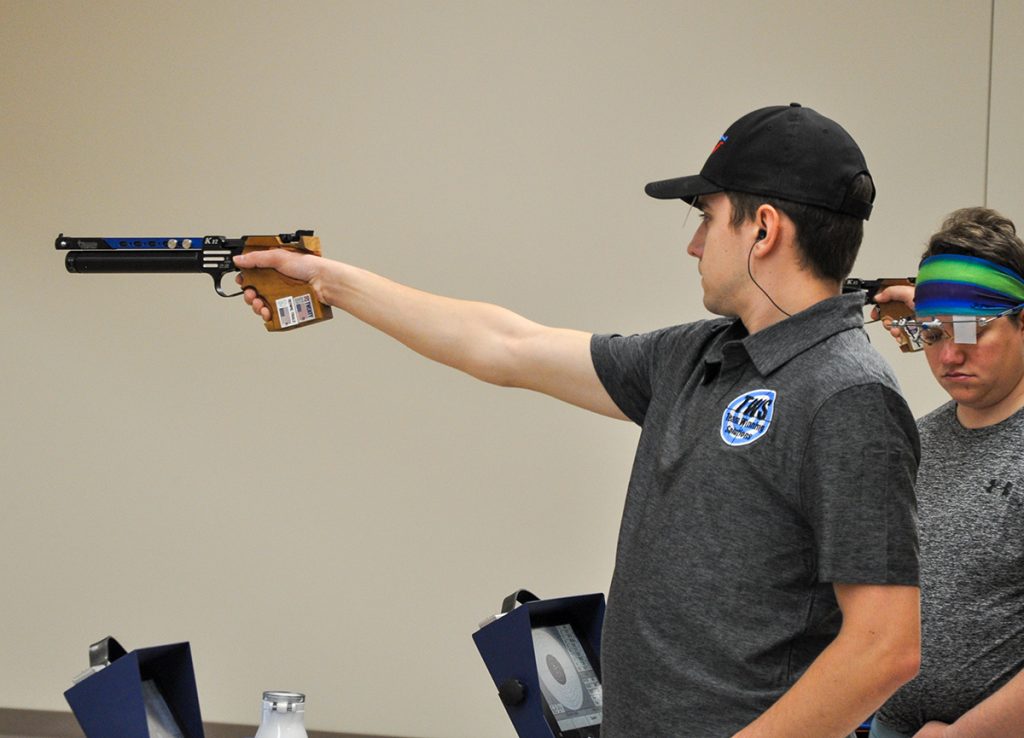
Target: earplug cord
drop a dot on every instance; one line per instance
(750, 256)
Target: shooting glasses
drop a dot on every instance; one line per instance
(964, 329)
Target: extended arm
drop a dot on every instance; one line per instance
(1000, 715)
(877, 650)
(486, 341)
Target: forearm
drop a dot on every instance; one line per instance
(1001, 715)
(463, 334)
(845, 684)
(486, 341)
(878, 648)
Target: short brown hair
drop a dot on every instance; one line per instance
(980, 232)
(827, 241)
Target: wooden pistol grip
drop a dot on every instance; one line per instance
(291, 301)
(893, 310)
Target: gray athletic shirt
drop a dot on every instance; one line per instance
(769, 466)
(971, 501)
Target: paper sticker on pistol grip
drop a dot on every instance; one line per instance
(292, 311)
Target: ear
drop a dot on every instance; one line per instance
(769, 230)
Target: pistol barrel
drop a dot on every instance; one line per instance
(120, 262)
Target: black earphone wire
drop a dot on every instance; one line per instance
(750, 256)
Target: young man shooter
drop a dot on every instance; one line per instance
(766, 575)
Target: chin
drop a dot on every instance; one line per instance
(717, 308)
(962, 396)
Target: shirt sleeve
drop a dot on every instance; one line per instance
(626, 366)
(857, 488)
(632, 367)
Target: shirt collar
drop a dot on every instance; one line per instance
(772, 347)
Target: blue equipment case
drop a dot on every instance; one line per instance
(506, 644)
(111, 703)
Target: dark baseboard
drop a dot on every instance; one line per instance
(31, 723)
(55, 724)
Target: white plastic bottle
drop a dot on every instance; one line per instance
(283, 716)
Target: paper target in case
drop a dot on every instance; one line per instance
(568, 681)
(557, 671)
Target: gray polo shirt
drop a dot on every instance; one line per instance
(769, 467)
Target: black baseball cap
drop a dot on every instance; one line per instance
(787, 152)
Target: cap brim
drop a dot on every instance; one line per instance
(681, 188)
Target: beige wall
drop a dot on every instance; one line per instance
(1006, 162)
(323, 510)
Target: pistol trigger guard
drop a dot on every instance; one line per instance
(217, 283)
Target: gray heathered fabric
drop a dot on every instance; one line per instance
(722, 591)
(971, 503)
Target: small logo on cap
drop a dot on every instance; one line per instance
(720, 144)
(748, 417)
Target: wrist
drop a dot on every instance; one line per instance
(329, 280)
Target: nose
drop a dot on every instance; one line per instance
(696, 246)
(951, 353)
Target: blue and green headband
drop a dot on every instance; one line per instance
(956, 284)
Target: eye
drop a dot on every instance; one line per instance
(932, 334)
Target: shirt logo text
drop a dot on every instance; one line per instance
(748, 417)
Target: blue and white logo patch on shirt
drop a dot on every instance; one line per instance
(748, 417)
